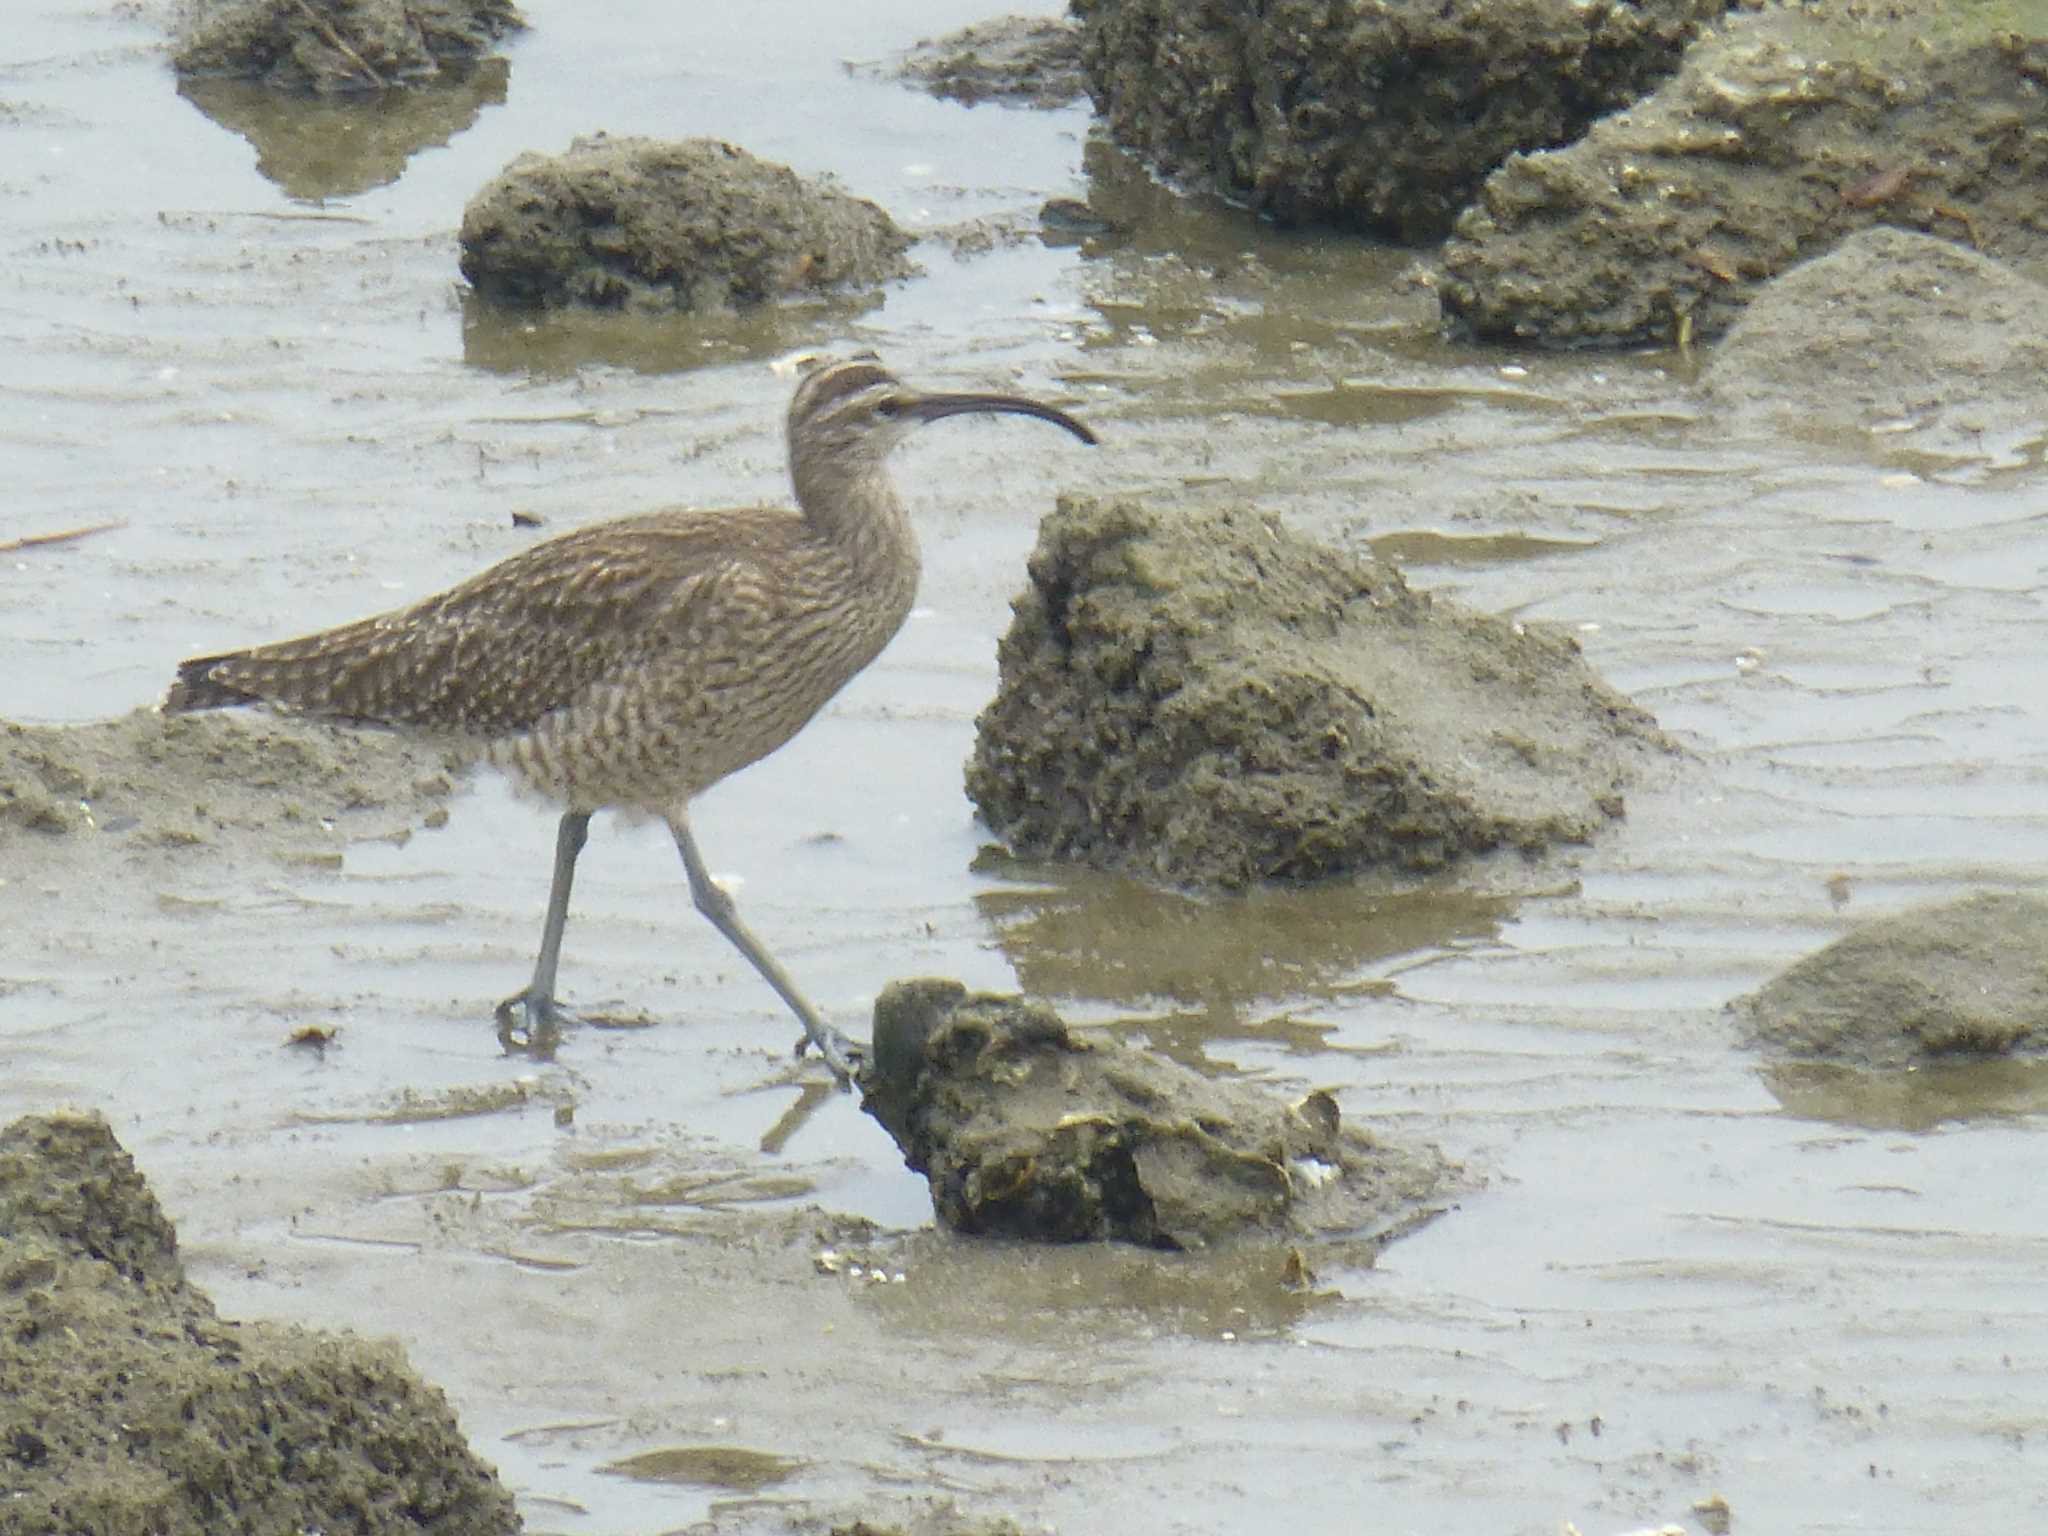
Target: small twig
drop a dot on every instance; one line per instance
(334, 38)
(283, 215)
(34, 540)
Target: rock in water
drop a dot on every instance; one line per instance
(128, 1405)
(1206, 698)
(1026, 1130)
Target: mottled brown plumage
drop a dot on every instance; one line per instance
(637, 662)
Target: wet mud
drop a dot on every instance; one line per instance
(1966, 979)
(1024, 1129)
(1788, 128)
(1383, 117)
(131, 1406)
(644, 224)
(329, 47)
(1207, 698)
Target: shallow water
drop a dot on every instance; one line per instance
(1820, 1299)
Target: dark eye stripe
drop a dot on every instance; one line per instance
(827, 385)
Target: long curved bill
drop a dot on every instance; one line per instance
(933, 407)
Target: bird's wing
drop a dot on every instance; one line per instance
(511, 644)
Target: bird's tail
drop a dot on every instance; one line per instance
(198, 688)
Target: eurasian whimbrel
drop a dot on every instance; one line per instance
(636, 662)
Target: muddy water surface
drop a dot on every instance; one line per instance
(658, 1277)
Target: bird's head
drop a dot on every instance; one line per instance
(852, 411)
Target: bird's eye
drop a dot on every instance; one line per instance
(889, 410)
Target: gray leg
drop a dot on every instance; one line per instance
(535, 1008)
(838, 1052)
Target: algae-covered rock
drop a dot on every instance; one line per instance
(1937, 347)
(1382, 114)
(1967, 979)
(128, 1407)
(669, 225)
(1206, 698)
(1787, 129)
(1022, 60)
(1026, 1130)
(331, 46)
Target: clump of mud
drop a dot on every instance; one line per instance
(1941, 349)
(669, 225)
(1787, 129)
(131, 1407)
(1032, 61)
(1968, 979)
(1378, 114)
(1206, 698)
(177, 780)
(1024, 1130)
(330, 46)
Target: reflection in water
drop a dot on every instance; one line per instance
(1911, 1098)
(554, 343)
(714, 1466)
(1104, 937)
(1371, 402)
(318, 147)
(1260, 301)
(1187, 1037)
(810, 1098)
(1032, 1291)
(1427, 547)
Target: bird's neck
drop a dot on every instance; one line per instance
(860, 515)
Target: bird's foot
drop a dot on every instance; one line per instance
(532, 1026)
(842, 1057)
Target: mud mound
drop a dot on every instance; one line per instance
(172, 780)
(1962, 980)
(1788, 129)
(331, 46)
(1382, 114)
(1025, 1131)
(1208, 699)
(1032, 61)
(131, 1408)
(658, 225)
(1942, 349)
